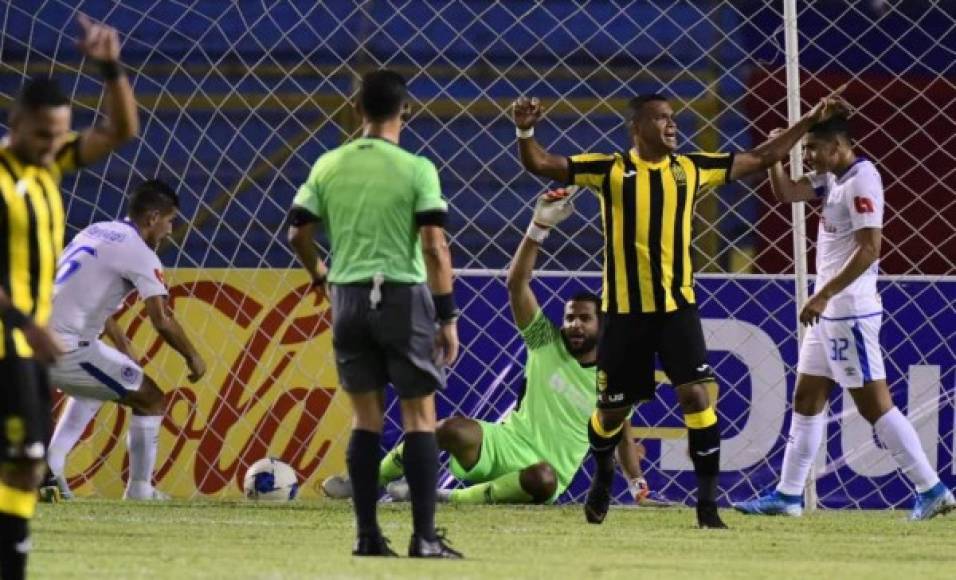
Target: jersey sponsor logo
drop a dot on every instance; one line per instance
(574, 396)
(863, 204)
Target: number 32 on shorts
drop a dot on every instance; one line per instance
(838, 348)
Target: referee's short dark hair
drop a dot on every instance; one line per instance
(635, 105)
(152, 195)
(39, 93)
(382, 94)
(836, 126)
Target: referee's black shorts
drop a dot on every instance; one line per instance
(25, 408)
(627, 349)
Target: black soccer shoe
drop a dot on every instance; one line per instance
(419, 547)
(708, 518)
(373, 545)
(598, 501)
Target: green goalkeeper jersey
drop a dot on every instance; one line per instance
(558, 401)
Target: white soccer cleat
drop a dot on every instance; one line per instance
(139, 491)
(337, 487)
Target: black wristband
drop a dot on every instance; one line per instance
(445, 307)
(14, 318)
(110, 69)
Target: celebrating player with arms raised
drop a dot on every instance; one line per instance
(39, 149)
(101, 266)
(842, 346)
(534, 453)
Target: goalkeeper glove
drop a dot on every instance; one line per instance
(639, 489)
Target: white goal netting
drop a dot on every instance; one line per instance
(238, 99)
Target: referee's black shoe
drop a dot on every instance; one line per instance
(373, 545)
(707, 516)
(438, 547)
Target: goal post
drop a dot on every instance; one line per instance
(237, 100)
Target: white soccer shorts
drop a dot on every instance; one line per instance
(96, 371)
(847, 350)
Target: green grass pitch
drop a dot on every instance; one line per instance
(312, 539)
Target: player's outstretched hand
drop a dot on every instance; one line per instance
(830, 106)
(446, 344)
(99, 41)
(526, 112)
(774, 133)
(554, 206)
(197, 367)
(813, 309)
(45, 347)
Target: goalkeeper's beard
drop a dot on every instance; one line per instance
(586, 344)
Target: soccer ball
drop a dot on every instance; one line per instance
(271, 480)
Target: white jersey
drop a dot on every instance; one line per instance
(101, 266)
(852, 201)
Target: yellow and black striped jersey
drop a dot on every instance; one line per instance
(647, 212)
(32, 224)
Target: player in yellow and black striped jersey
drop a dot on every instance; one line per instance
(34, 155)
(647, 193)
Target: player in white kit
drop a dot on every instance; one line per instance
(102, 265)
(842, 344)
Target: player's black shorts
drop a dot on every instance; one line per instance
(25, 409)
(627, 349)
(392, 343)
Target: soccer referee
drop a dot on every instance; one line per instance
(382, 209)
(647, 194)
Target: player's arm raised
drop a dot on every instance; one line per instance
(777, 148)
(101, 44)
(551, 209)
(786, 190)
(116, 335)
(166, 325)
(533, 156)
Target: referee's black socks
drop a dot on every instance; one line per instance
(363, 457)
(703, 437)
(421, 471)
(602, 443)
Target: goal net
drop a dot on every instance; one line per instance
(237, 100)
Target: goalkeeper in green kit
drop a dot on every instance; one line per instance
(534, 453)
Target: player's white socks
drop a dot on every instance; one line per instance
(77, 414)
(898, 435)
(141, 441)
(806, 433)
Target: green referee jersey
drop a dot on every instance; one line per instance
(371, 195)
(558, 401)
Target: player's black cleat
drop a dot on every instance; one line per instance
(598, 501)
(708, 518)
(373, 545)
(438, 547)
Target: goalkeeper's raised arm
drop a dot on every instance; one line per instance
(552, 208)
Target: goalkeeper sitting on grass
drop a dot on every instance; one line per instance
(534, 453)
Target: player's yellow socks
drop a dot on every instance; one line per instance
(16, 502)
(392, 466)
(505, 489)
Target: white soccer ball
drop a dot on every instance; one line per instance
(271, 480)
